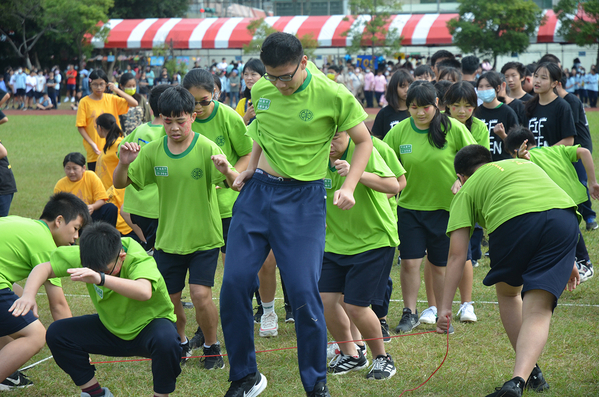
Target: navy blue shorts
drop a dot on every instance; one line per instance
(30, 94)
(359, 276)
(226, 224)
(20, 91)
(173, 267)
(148, 226)
(423, 233)
(10, 324)
(535, 250)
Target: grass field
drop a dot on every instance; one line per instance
(480, 357)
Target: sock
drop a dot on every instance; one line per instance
(207, 346)
(186, 341)
(268, 307)
(94, 390)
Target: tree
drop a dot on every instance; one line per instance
(136, 9)
(579, 22)
(260, 30)
(495, 27)
(373, 17)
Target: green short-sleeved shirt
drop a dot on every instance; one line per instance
(557, 161)
(226, 128)
(502, 190)
(295, 132)
(24, 244)
(124, 317)
(480, 132)
(394, 165)
(188, 209)
(143, 202)
(369, 224)
(429, 170)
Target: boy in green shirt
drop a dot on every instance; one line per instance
(26, 243)
(135, 314)
(533, 230)
(185, 166)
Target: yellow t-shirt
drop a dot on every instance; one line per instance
(105, 166)
(89, 188)
(89, 109)
(241, 106)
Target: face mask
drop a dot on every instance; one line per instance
(367, 70)
(487, 96)
(130, 91)
(20, 70)
(386, 73)
(331, 76)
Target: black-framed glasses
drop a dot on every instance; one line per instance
(285, 77)
(115, 263)
(205, 102)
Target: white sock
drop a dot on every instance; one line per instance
(268, 307)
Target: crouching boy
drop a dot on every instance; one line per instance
(135, 314)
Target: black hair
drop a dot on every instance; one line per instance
(74, 157)
(441, 87)
(108, 122)
(424, 94)
(555, 74)
(125, 78)
(424, 70)
(549, 58)
(441, 54)
(98, 74)
(470, 64)
(564, 80)
(155, 97)
(469, 158)
(516, 136)
(217, 82)
(199, 78)
(399, 78)
(68, 205)
(99, 246)
(520, 68)
(495, 80)
(255, 65)
(449, 71)
(281, 49)
(458, 91)
(449, 63)
(336, 68)
(530, 69)
(176, 101)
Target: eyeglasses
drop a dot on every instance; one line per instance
(205, 102)
(115, 263)
(285, 77)
(102, 85)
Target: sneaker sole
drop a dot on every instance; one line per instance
(269, 333)
(9, 388)
(399, 331)
(289, 320)
(468, 319)
(426, 321)
(388, 377)
(351, 370)
(258, 388)
(213, 368)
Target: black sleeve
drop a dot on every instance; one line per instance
(510, 119)
(567, 127)
(377, 127)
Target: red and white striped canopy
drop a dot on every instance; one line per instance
(210, 33)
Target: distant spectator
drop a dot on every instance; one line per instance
(380, 84)
(234, 86)
(71, 83)
(136, 115)
(84, 75)
(150, 76)
(369, 87)
(450, 74)
(44, 103)
(424, 72)
(470, 66)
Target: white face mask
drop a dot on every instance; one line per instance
(487, 96)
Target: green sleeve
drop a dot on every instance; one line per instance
(64, 258)
(140, 170)
(349, 111)
(461, 212)
(242, 144)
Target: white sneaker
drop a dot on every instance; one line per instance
(429, 316)
(269, 325)
(72, 99)
(582, 270)
(466, 313)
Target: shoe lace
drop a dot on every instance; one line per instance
(465, 307)
(269, 320)
(338, 359)
(378, 364)
(427, 311)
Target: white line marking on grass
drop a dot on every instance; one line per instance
(34, 364)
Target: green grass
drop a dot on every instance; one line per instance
(480, 357)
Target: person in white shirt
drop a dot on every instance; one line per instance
(30, 83)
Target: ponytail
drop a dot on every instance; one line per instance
(108, 122)
(438, 128)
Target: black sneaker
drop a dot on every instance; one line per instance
(399, 261)
(320, 390)
(511, 388)
(408, 321)
(185, 352)
(343, 364)
(250, 386)
(198, 339)
(382, 368)
(536, 381)
(289, 315)
(258, 315)
(385, 331)
(216, 360)
(16, 380)
(591, 224)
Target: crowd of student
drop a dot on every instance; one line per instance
(293, 179)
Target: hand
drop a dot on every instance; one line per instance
(342, 167)
(499, 130)
(444, 318)
(522, 152)
(242, 179)
(95, 148)
(129, 152)
(344, 199)
(23, 305)
(249, 114)
(593, 190)
(221, 163)
(112, 87)
(455, 188)
(85, 274)
(90, 209)
(574, 279)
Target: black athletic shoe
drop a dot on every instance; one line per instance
(511, 388)
(258, 315)
(289, 315)
(385, 331)
(408, 321)
(343, 364)
(382, 368)
(216, 361)
(16, 380)
(198, 339)
(320, 390)
(250, 386)
(536, 381)
(185, 352)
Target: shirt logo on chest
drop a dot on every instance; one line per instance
(263, 104)
(405, 149)
(306, 115)
(220, 140)
(99, 292)
(161, 171)
(328, 183)
(197, 173)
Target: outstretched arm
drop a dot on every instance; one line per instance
(589, 167)
(128, 152)
(38, 276)
(140, 289)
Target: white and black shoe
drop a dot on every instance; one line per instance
(16, 380)
(250, 386)
(343, 364)
(382, 368)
